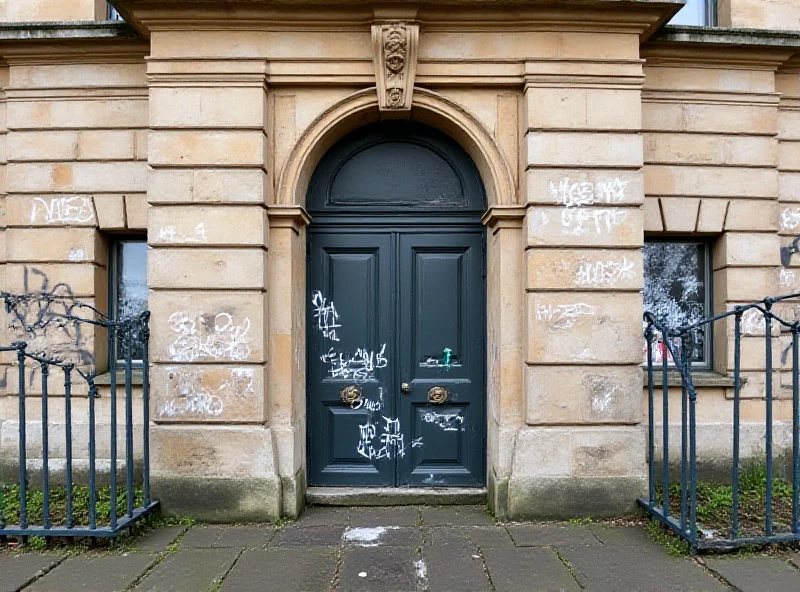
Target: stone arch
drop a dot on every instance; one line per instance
(430, 108)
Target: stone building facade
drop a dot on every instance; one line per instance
(592, 127)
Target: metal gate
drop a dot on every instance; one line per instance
(668, 342)
(36, 366)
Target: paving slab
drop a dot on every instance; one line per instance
(95, 573)
(393, 516)
(456, 516)
(387, 536)
(207, 537)
(322, 516)
(378, 569)
(645, 569)
(551, 535)
(757, 574)
(622, 536)
(18, 570)
(158, 539)
(190, 569)
(305, 569)
(483, 537)
(449, 568)
(531, 569)
(795, 558)
(312, 536)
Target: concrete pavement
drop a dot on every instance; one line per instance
(398, 549)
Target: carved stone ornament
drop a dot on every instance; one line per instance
(394, 51)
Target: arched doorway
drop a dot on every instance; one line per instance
(396, 376)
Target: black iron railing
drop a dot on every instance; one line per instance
(673, 347)
(38, 317)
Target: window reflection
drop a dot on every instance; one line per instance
(130, 288)
(695, 12)
(676, 290)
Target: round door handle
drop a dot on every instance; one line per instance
(405, 387)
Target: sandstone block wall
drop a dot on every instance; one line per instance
(717, 170)
(588, 142)
(760, 14)
(76, 177)
(53, 10)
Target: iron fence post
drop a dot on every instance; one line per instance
(737, 387)
(68, 421)
(23, 443)
(145, 338)
(768, 394)
(651, 439)
(796, 428)
(45, 451)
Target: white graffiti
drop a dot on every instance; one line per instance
(195, 404)
(448, 422)
(790, 218)
(575, 194)
(359, 367)
(602, 390)
(193, 397)
(76, 255)
(753, 322)
(603, 220)
(604, 273)
(391, 440)
(367, 404)
(220, 339)
(326, 315)
(563, 316)
(787, 278)
(63, 210)
(169, 234)
(417, 443)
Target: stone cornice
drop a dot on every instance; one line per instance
(717, 47)
(71, 42)
(75, 31)
(642, 17)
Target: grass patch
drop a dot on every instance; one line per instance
(675, 545)
(58, 505)
(715, 503)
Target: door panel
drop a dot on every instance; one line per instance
(350, 314)
(441, 328)
(385, 308)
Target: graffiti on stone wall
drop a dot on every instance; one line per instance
(169, 234)
(193, 392)
(602, 274)
(576, 219)
(43, 317)
(560, 317)
(203, 337)
(62, 210)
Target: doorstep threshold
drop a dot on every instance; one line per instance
(395, 496)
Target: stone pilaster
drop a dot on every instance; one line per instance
(583, 226)
(213, 454)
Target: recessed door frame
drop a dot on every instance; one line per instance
(288, 219)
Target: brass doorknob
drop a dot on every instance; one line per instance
(405, 387)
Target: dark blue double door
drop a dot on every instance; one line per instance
(396, 356)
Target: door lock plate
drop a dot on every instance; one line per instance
(438, 395)
(350, 394)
